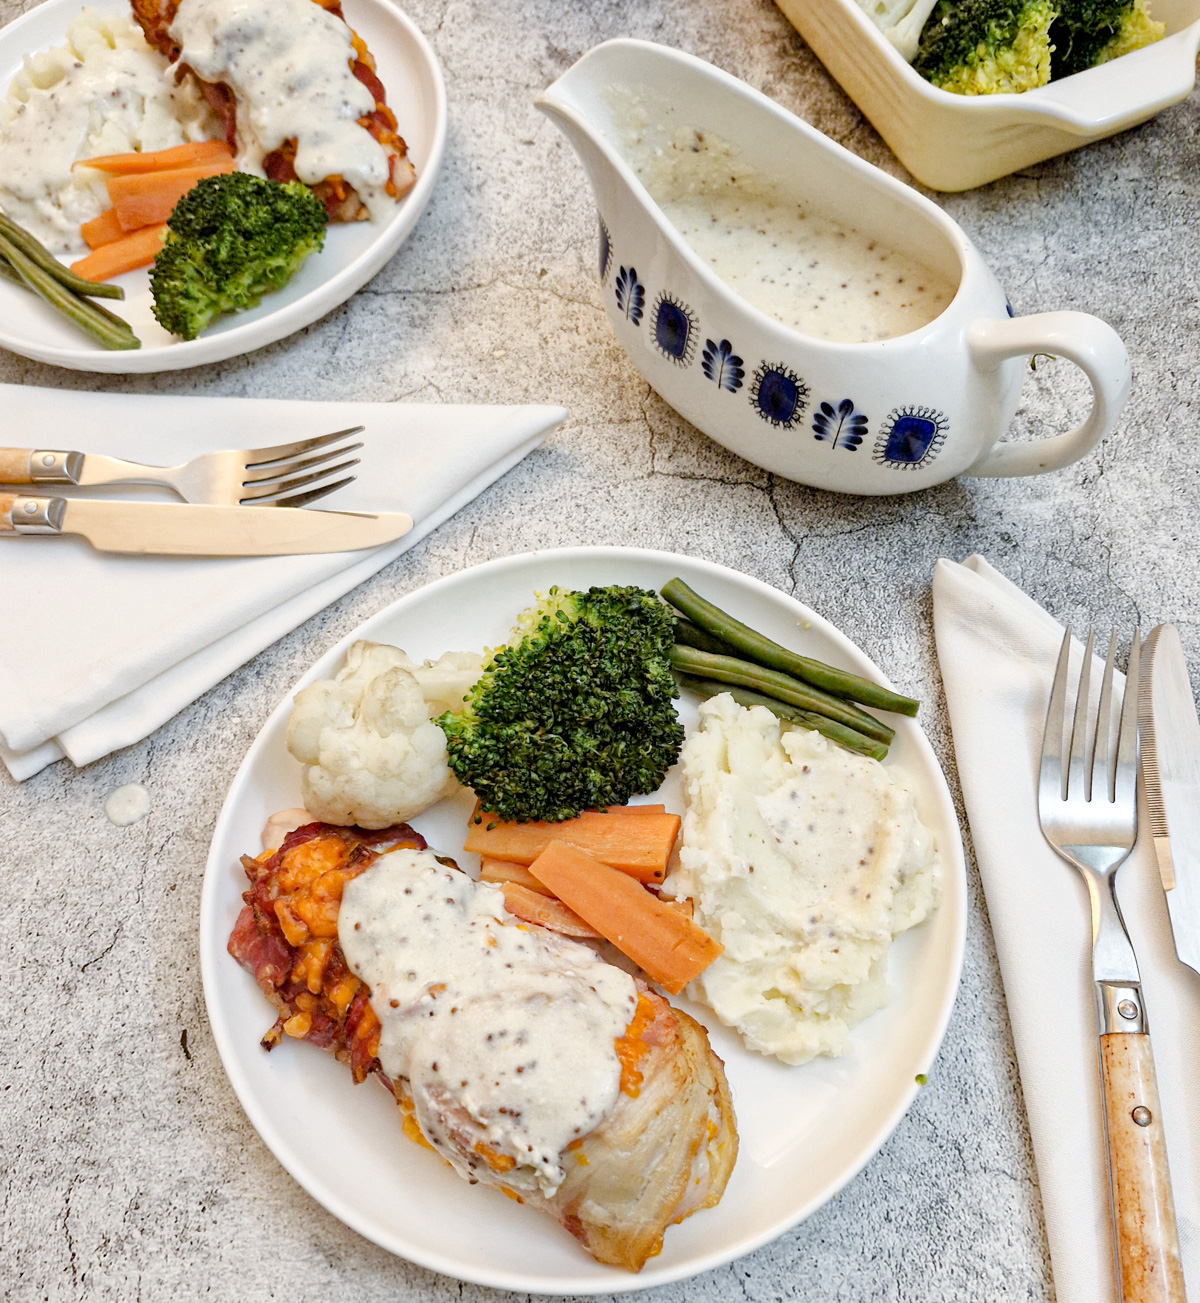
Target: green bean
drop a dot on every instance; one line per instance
(849, 738)
(7, 273)
(691, 635)
(755, 646)
(40, 256)
(728, 669)
(89, 317)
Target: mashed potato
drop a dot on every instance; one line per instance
(104, 92)
(804, 861)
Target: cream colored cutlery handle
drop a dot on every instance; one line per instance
(1149, 1269)
(14, 466)
(7, 500)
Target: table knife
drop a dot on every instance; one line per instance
(179, 529)
(1170, 734)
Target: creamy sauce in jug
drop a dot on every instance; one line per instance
(818, 277)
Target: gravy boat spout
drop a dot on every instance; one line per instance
(877, 413)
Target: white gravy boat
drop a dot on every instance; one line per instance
(925, 406)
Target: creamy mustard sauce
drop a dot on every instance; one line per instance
(104, 92)
(814, 275)
(288, 62)
(504, 1034)
(804, 861)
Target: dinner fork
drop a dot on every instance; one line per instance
(250, 476)
(1087, 805)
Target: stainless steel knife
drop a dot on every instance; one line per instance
(1170, 734)
(179, 529)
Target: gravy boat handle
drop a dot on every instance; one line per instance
(1094, 347)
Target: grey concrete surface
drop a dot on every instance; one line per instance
(127, 1169)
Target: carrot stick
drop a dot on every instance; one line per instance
(145, 198)
(637, 843)
(160, 160)
(631, 809)
(501, 871)
(659, 938)
(101, 230)
(138, 249)
(545, 911)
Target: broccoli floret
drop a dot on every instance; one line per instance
(575, 712)
(982, 47)
(231, 239)
(1090, 32)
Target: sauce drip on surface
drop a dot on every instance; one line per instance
(505, 1035)
(126, 805)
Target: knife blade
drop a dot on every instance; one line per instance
(180, 529)
(1170, 735)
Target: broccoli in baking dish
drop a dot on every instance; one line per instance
(575, 712)
(985, 47)
(231, 239)
(1090, 32)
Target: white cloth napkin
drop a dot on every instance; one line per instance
(997, 650)
(96, 651)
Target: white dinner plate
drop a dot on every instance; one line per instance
(353, 251)
(804, 1131)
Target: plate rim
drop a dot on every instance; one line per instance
(953, 867)
(294, 317)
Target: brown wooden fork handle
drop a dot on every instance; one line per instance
(14, 466)
(1149, 1268)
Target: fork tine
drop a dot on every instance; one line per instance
(260, 456)
(275, 487)
(282, 470)
(303, 499)
(1080, 742)
(1052, 740)
(1125, 778)
(1101, 765)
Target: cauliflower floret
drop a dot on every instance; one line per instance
(371, 754)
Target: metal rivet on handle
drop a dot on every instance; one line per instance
(47, 459)
(1142, 1116)
(1127, 1009)
(31, 508)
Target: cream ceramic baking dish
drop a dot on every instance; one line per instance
(956, 142)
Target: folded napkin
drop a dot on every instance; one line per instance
(99, 650)
(997, 650)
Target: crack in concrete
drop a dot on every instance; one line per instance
(97, 958)
(72, 1259)
(793, 538)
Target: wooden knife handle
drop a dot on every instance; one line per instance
(1149, 1268)
(6, 506)
(14, 466)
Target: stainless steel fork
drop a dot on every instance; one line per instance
(1087, 804)
(286, 475)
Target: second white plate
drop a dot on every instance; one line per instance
(353, 252)
(804, 1131)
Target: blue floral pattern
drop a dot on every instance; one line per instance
(605, 251)
(840, 427)
(722, 365)
(631, 294)
(674, 329)
(910, 437)
(778, 395)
